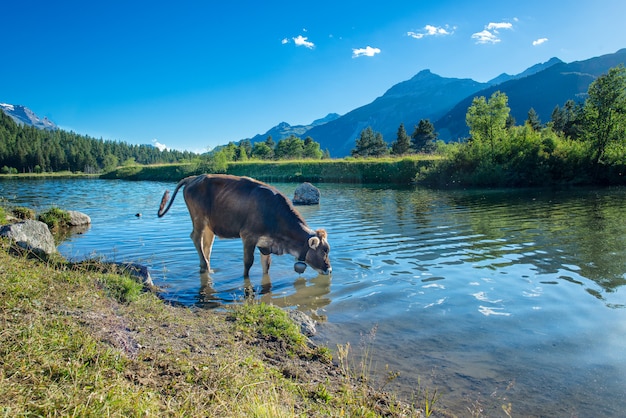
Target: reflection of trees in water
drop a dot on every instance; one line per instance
(582, 231)
(307, 297)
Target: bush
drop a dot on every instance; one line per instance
(55, 218)
(23, 213)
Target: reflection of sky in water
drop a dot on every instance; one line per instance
(492, 296)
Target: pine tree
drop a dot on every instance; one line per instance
(402, 144)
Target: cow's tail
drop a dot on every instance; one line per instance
(166, 196)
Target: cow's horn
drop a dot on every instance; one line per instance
(299, 267)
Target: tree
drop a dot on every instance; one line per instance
(424, 136)
(605, 111)
(402, 144)
(533, 120)
(311, 149)
(568, 120)
(370, 144)
(487, 119)
(289, 148)
(262, 151)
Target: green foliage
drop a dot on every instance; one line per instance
(26, 149)
(370, 144)
(290, 148)
(122, 288)
(605, 111)
(487, 119)
(55, 218)
(402, 144)
(21, 212)
(268, 321)
(424, 137)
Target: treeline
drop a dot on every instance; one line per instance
(25, 149)
(583, 143)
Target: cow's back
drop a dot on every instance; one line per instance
(230, 205)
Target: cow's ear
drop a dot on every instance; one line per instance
(314, 242)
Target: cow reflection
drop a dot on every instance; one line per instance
(308, 295)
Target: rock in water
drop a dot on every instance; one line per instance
(78, 218)
(306, 194)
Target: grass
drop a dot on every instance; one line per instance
(78, 341)
(399, 170)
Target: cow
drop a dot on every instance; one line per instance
(241, 207)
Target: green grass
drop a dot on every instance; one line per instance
(349, 170)
(76, 340)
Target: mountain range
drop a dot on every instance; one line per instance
(444, 101)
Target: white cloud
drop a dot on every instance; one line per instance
(489, 35)
(303, 41)
(284, 41)
(496, 26)
(368, 51)
(485, 37)
(158, 145)
(430, 30)
(540, 41)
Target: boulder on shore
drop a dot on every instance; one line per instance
(30, 235)
(306, 194)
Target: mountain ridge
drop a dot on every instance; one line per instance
(22, 115)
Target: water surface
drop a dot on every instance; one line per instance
(492, 297)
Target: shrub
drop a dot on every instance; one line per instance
(55, 218)
(21, 212)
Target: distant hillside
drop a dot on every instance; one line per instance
(24, 116)
(541, 91)
(425, 96)
(284, 130)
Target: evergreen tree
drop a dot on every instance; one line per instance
(424, 136)
(402, 144)
(370, 144)
(533, 120)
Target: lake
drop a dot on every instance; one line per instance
(493, 297)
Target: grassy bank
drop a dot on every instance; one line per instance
(379, 170)
(83, 342)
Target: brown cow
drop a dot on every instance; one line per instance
(241, 207)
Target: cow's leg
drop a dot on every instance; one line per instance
(207, 246)
(202, 238)
(248, 256)
(266, 259)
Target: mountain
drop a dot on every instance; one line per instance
(24, 116)
(425, 96)
(529, 71)
(541, 91)
(284, 130)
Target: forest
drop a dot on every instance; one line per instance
(24, 149)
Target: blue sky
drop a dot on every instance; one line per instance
(193, 75)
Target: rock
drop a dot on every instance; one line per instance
(139, 271)
(30, 235)
(306, 323)
(306, 194)
(78, 218)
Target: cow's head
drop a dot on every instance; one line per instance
(317, 254)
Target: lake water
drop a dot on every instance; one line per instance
(491, 297)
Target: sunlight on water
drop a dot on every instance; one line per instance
(493, 297)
